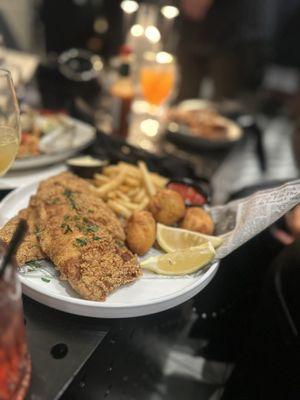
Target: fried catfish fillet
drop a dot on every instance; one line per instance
(87, 250)
(29, 249)
(87, 200)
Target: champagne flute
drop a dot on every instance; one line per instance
(9, 122)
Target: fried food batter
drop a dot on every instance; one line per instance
(141, 232)
(29, 249)
(167, 206)
(198, 220)
(71, 226)
(84, 250)
(87, 201)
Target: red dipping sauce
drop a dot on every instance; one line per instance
(190, 195)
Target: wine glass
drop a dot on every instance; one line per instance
(9, 122)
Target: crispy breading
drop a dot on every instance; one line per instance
(198, 220)
(87, 200)
(167, 206)
(141, 232)
(84, 251)
(29, 249)
(71, 226)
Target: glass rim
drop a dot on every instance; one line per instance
(5, 72)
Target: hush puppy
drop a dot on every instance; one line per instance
(198, 220)
(140, 232)
(167, 206)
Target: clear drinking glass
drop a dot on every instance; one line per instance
(15, 365)
(157, 77)
(9, 122)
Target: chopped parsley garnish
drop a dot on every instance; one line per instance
(66, 228)
(45, 279)
(90, 211)
(33, 264)
(69, 195)
(96, 238)
(92, 228)
(37, 231)
(67, 217)
(76, 218)
(54, 200)
(87, 228)
(80, 242)
(80, 227)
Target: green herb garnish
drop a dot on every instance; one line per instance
(45, 279)
(69, 194)
(80, 227)
(80, 242)
(96, 238)
(54, 200)
(92, 228)
(37, 231)
(66, 228)
(90, 211)
(33, 264)
(87, 228)
(67, 217)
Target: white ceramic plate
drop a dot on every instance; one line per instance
(14, 179)
(84, 135)
(149, 294)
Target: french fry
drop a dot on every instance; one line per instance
(111, 195)
(133, 192)
(124, 188)
(158, 180)
(147, 180)
(119, 208)
(128, 205)
(111, 174)
(100, 179)
(143, 204)
(122, 196)
(130, 181)
(131, 170)
(113, 184)
(111, 168)
(140, 196)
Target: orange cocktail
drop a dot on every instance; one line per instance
(157, 82)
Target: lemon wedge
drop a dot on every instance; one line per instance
(181, 262)
(173, 239)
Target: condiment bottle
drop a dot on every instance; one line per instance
(122, 92)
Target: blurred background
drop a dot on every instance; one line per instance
(128, 68)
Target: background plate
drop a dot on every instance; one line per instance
(15, 179)
(180, 134)
(84, 135)
(150, 294)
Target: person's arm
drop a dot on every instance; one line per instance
(292, 220)
(196, 9)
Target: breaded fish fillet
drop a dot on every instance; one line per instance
(70, 225)
(87, 200)
(29, 249)
(85, 252)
